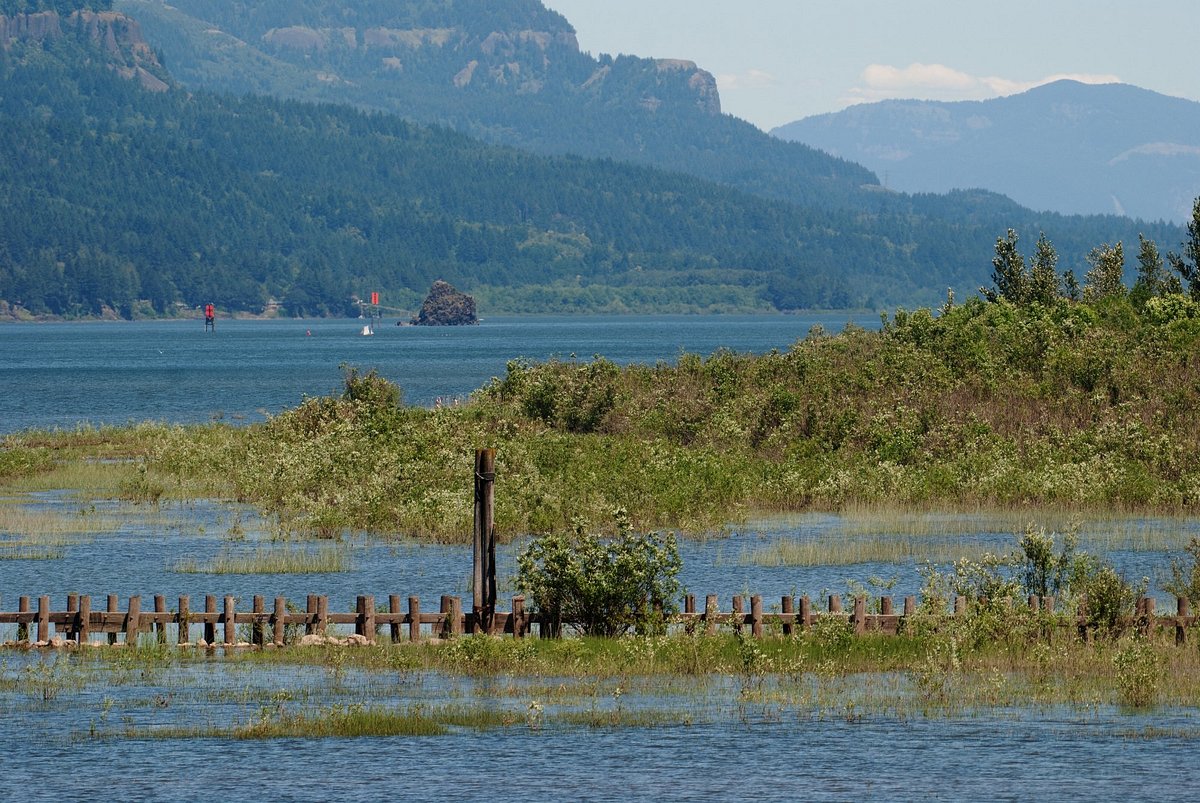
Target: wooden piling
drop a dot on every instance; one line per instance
(456, 616)
(960, 605)
(184, 636)
(71, 626)
(738, 614)
(43, 619)
(322, 614)
(756, 616)
(114, 609)
(394, 610)
(22, 624)
(518, 617)
(785, 608)
(160, 622)
(483, 588)
(885, 606)
(210, 619)
(279, 622)
(414, 618)
(1147, 623)
(133, 620)
(310, 610)
(910, 606)
(835, 603)
(710, 614)
(860, 615)
(805, 612)
(444, 610)
(230, 620)
(1181, 615)
(83, 630)
(258, 609)
(369, 617)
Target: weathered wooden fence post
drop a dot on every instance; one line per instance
(133, 620)
(230, 619)
(483, 606)
(369, 617)
(160, 621)
(787, 616)
(414, 618)
(43, 619)
(710, 614)
(22, 625)
(756, 616)
(280, 622)
(322, 614)
(1181, 615)
(210, 619)
(83, 632)
(113, 610)
(394, 610)
(257, 609)
(71, 626)
(860, 615)
(805, 612)
(738, 614)
(184, 635)
(518, 617)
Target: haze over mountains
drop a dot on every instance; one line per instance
(1066, 146)
(131, 191)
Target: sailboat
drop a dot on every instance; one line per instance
(368, 330)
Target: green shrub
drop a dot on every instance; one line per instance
(601, 587)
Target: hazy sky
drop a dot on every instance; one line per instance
(779, 60)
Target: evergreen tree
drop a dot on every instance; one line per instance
(1043, 273)
(1153, 278)
(1106, 278)
(1188, 265)
(1009, 279)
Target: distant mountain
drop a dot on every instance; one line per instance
(1067, 147)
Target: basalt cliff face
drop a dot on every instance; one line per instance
(114, 35)
(371, 52)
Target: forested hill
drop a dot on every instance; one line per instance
(116, 199)
(112, 195)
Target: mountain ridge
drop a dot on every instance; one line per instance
(1067, 146)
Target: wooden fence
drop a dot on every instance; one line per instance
(218, 625)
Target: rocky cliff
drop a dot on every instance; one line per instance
(115, 35)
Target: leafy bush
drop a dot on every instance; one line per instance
(1139, 674)
(601, 587)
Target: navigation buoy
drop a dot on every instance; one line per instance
(210, 318)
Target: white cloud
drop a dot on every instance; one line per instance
(939, 82)
(750, 79)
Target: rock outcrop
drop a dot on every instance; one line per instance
(119, 37)
(445, 306)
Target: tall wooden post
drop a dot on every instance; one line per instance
(484, 578)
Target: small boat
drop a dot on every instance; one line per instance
(368, 330)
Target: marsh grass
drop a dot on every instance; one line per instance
(273, 560)
(1098, 528)
(832, 551)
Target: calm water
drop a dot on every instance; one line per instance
(58, 374)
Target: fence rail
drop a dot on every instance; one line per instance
(283, 624)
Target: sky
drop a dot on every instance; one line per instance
(777, 61)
